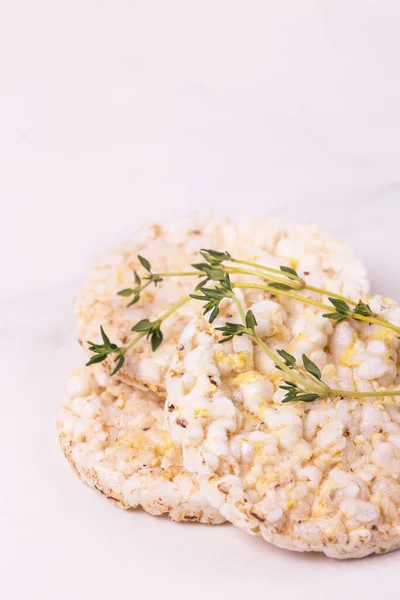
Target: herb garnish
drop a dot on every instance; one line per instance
(304, 381)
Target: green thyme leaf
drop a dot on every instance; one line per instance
(250, 320)
(227, 282)
(143, 325)
(213, 256)
(363, 309)
(288, 398)
(288, 270)
(340, 305)
(106, 339)
(343, 311)
(291, 384)
(279, 286)
(201, 284)
(308, 397)
(311, 367)
(196, 296)
(226, 339)
(133, 301)
(96, 358)
(300, 398)
(120, 361)
(137, 278)
(212, 272)
(145, 263)
(289, 359)
(126, 292)
(336, 316)
(156, 339)
(286, 387)
(214, 314)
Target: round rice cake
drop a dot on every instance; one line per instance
(317, 256)
(116, 440)
(321, 476)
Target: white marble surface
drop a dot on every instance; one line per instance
(113, 113)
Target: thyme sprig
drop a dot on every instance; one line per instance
(288, 284)
(140, 287)
(212, 296)
(101, 351)
(304, 381)
(230, 330)
(144, 328)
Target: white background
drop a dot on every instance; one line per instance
(118, 112)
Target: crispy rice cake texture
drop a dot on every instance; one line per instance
(321, 476)
(116, 440)
(317, 256)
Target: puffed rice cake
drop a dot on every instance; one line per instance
(116, 440)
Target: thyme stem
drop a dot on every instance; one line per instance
(178, 274)
(240, 307)
(350, 394)
(173, 308)
(267, 269)
(275, 291)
